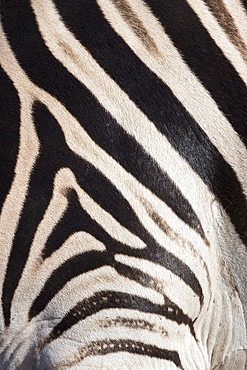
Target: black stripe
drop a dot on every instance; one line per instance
(73, 267)
(54, 155)
(206, 60)
(174, 312)
(157, 101)
(162, 257)
(53, 77)
(104, 347)
(9, 133)
(244, 3)
(102, 301)
(89, 261)
(216, 73)
(76, 219)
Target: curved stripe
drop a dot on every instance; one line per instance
(113, 299)
(174, 312)
(76, 219)
(40, 192)
(73, 267)
(179, 127)
(91, 115)
(146, 280)
(100, 348)
(132, 323)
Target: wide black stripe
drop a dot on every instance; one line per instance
(206, 60)
(156, 99)
(55, 154)
(219, 77)
(53, 77)
(9, 133)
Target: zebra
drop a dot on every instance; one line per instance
(123, 226)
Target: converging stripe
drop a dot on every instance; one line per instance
(122, 154)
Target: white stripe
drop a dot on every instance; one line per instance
(220, 37)
(10, 215)
(184, 84)
(119, 105)
(238, 13)
(83, 145)
(169, 284)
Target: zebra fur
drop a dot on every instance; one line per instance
(123, 185)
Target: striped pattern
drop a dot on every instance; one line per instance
(123, 228)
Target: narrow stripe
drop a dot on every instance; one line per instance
(173, 312)
(91, 115)
(71, 268)
(91, 260)
(163, 108)
(172, 235)
(76, 219)
(100, 348)
(168, 261)
(107, 300)
(132, 323)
